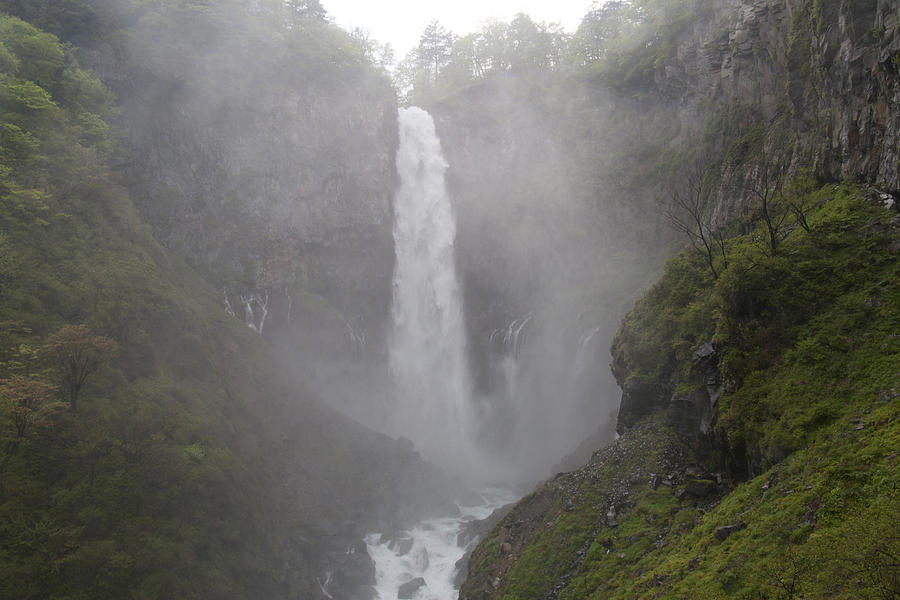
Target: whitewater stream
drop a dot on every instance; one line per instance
(429, 551)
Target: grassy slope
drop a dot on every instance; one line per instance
(807, 343)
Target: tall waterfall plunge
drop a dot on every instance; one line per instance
(432, 386)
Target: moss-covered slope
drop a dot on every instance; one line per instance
(788, 485)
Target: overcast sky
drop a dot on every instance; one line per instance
(400, 22)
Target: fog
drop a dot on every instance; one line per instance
(268, 157)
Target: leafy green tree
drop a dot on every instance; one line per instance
(601, 27)
(78, 353)
(304, 10)
(380, 55)
(492, 45)
(434, 50)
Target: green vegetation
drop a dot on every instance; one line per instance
(807, 348)
(168, 481)
(105, 501)
(621, 44)
(828, 291)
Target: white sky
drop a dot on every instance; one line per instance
(400, 22)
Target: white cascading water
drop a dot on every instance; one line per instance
(432, 387)
(429, 551)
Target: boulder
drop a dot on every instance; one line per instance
(401, 546)
(723, 532)
(408, 589)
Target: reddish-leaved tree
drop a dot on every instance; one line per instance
(28, 401)
(78, 353)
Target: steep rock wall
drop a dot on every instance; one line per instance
(817, 81)
(264, 156)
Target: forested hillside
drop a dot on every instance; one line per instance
(151, 447)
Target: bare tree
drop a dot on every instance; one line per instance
(789, 575)
(686, 214)
(768, 192)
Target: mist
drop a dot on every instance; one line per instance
(279, 179)
(273, 158)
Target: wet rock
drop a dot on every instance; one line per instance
(408, 589)
(638, 401)
(354, 571)
(705, 351)
(422, 559)
(475, 530)
(723, 532)
(401, 546)
(462, 570)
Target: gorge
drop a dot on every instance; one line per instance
(641, 277)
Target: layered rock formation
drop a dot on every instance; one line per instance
(816, 82)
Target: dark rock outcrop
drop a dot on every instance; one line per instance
(408, 589)
(722, 533)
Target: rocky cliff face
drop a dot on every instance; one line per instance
(855, 54)
(811, 83)
(266, 158)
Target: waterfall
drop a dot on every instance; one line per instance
(432, 387)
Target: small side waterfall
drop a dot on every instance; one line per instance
(432, 386)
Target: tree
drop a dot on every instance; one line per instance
(686, 214)
(492, 45)
(78, 353)
(27, 401)
(434, 49)
(380, 55)
(602, 26)
(304, 10)
(801, 199)
(767, 190)
(534, 45)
